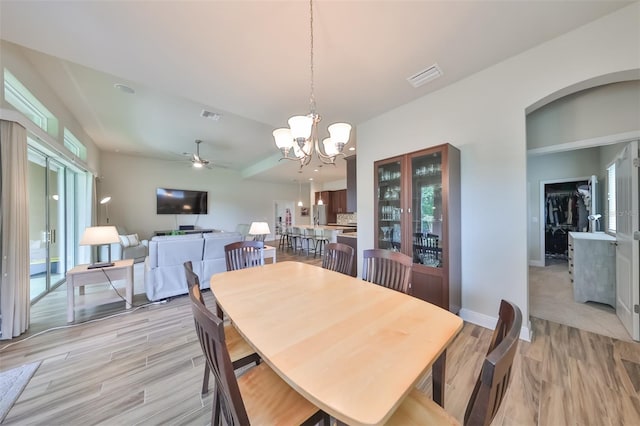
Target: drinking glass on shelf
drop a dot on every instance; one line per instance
(385, 233)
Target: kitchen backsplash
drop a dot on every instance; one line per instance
(346, 218)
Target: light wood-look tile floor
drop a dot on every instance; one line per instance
(551, 298)
(145, 367)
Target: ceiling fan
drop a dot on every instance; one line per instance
(197, 161)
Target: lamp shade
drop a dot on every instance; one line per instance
(105, 200)
(97, 235)
(283, 138)
(259, 228)
(329, 147)
(301, 126)
(340, 132)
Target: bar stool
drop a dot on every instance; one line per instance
(284, 238)
(309, 236)
(322, 237)
(295, 235)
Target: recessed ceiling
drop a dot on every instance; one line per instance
(249, 62)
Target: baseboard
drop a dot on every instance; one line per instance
(490, 322)
(538, 263)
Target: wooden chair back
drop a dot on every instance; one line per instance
(495, 375)
(244, 254)
(387, 268)
(338, 257)
(210, 331)
(192, 278)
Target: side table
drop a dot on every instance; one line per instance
(270, 253)
(81, 276)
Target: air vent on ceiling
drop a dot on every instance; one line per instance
(425, 76)
(210, 115)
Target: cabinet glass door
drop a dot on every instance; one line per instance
(388, 207)
(426, 209)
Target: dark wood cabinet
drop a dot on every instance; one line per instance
(417, 212)
(339, 201)
(352, 187)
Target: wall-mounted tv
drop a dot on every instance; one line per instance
(181, 201)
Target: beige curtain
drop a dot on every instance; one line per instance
(14, 231)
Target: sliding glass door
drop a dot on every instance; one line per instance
(52, 219)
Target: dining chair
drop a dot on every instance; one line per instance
(490, 388)
(240, 351)
(244, 254)
(338, 257)
(387, 268)
(259, 396)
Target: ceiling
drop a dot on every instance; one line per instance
(249, 62)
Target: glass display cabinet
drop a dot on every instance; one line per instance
(418, 213)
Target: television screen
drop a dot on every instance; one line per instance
(181, 201)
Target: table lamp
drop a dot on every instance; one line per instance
(259, 230)
(98, 236)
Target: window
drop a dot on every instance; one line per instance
(74, 145)
(611, 198)
(22, 100)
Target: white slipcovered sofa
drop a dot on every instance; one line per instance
(164, 266)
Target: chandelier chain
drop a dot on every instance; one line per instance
(312, 99)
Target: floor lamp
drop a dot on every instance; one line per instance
(106, 200)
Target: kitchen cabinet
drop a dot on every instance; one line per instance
(417, 212)
(339, 201)
(352, 187)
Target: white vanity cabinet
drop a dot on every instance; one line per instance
(592, 266)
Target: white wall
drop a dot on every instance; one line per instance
(12, 59)
(484, 116)
(601, 111)
(132, 182)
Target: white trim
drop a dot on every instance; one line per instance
(489, 322)
(43, 137)
(586, 143)
(537, 263)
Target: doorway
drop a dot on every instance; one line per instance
(53, 189)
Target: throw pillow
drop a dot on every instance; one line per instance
(129, 240)
(124, 240)
(133, 240)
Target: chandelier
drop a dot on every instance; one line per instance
(299, 142)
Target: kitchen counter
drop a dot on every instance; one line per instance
(349, 235)
(328, 227)
(351, 240)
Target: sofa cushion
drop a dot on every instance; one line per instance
(214, 244)
(176, 252)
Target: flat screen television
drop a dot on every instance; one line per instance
(181, 201)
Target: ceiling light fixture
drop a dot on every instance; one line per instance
(124, 88)
(302, 134)
(300, 204)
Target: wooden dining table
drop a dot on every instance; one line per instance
(352, 348)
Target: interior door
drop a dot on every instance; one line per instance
(627, 252)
